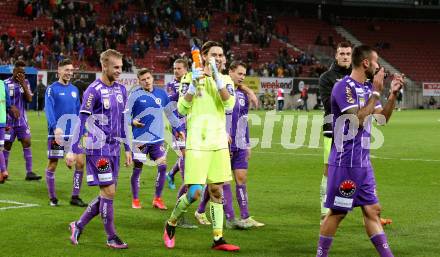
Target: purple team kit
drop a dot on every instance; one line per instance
(17, 128)
(351, 179)
(239, 131)
(107, 104)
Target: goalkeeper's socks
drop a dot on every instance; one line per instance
(180, 208)
(216, 210)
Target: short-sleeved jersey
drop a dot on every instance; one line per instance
(239, 122)
(16, 96)
(106, 126)
(148, 108)
(347, 94)
(61, 100)
(206, 121)
(173, 94)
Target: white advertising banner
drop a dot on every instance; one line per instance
(129, 80)
(42, 74)
(273, 83)
(431, 89)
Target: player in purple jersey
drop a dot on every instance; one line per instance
(237, 124)
(62, 107)
(351, 182)
(5, 107)
(20, 94)
(102, 108)
(180, 68)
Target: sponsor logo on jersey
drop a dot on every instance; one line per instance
(106, 103)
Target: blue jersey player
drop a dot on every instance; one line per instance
(62, 108)
(145, 109)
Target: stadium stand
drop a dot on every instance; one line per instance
(410, 46)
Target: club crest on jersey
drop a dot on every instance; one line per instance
(106, 103)
(347, 188)
(158, 101)
(74, 94)
(349, 95)
(119, 98)
(21, 90)
(103, 165)
(241, 102)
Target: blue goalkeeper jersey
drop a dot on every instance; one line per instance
(61, 101)
(148, 108)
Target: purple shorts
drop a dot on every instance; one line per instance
(102, 170)
(155, 151)
(239, 159)
(350, 187)
(2, 136)
(21, 132)
(54, 150)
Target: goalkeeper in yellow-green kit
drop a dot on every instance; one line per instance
(205, 95)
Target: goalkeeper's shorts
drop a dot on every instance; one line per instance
(207, 167)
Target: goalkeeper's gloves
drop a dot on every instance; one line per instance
(216, 74)
(191, 89)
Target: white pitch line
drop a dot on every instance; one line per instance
(372, 156)
(20, 205)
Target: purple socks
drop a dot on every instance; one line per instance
(160, 180)
(77, 181)
(27, 154)
(135, 182)
(380, 241)
(50, 181)
(91, 211)
(106, 211)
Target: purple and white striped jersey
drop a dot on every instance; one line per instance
(106, 126)
(239, 129)
(351, 144)
(16, 95)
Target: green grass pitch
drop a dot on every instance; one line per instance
(283, 190)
